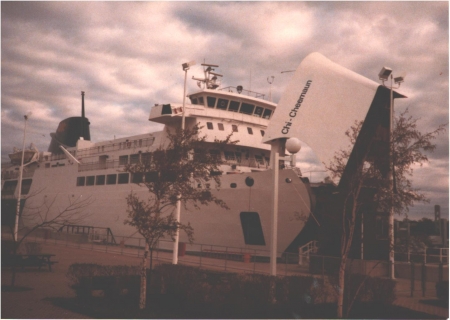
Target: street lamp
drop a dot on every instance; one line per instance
(278, 147)
(384, 75)
(185, 67)
(16, 225)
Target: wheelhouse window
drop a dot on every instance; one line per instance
(209, 125)
(201, 101)
(234, 106)
(267, 113)
(166, 109)
(251, 227)
(250, 130)
(220, 126)
(258, 112)
(194, 100)
(247, 108)
(211, 102)
(222, 104)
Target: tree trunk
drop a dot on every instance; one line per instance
(143, 295)
(341, 284)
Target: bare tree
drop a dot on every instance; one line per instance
(172, 173)
(46, 214)
(408, 147)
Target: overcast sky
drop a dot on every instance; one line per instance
(127, 56)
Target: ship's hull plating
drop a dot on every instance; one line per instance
(212, 225)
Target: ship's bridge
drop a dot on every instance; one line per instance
(221, 104)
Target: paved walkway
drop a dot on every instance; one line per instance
(44, 285)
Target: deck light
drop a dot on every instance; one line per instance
(385, 73)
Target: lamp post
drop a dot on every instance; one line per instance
(278, 147)
(19, 195)
(384, 75)
(185, 67)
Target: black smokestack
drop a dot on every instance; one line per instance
(82, 104)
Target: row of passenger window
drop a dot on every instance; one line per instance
(101, 180)
(234, 106)
(234, 128)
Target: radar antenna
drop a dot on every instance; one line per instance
(211, 79)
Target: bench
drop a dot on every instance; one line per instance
(35, 260)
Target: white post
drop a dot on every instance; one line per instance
(19, 195)
(178, 217)
(391, 185)
(275, 155)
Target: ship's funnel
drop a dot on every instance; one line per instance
(70, 130)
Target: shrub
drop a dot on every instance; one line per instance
(113, 280)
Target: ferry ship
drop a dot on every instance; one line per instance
(75, 167)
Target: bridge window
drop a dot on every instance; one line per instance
(234, 128)
(90, 180)
(250, 130)
(201, 101)
(111, 179)
(267, 113)
(247, 108)
(234, 106)
(194, 100)
(100, 180)
(9, 188)
(166, 109)
(211, 102)
(220, 126)
(258, 112)
(81, 181)
(262, 133)
(251, 227)
(222, 104)
(209, 125)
